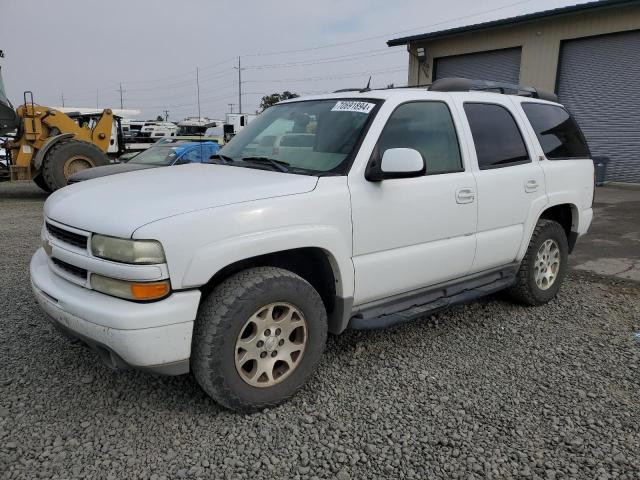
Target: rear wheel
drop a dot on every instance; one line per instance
(544, 266)
(68, 157)
(258, 337)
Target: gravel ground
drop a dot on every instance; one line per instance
(487, 390)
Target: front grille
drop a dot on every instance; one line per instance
(72, 269)
(66, 236)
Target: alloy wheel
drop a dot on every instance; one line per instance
(271, 344)
(547, 264)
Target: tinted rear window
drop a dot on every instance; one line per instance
(496, 136)
(557, 131)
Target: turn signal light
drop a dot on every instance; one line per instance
(149, 291)
(130, 290)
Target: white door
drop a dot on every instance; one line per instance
(414, 232)
(509, 179)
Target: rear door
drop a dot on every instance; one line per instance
(509, 179)
(567, 162)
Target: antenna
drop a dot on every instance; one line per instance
(368, 87)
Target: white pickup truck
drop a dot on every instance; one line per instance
(405, 202)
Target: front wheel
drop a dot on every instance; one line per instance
(258, 337)
(68, 157)
(544, 265)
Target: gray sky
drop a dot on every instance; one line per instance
(85, 48)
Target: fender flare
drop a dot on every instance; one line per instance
(49, 142)
(560, 200)
(210, 259)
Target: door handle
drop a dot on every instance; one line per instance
(465, 195)
(531, 186)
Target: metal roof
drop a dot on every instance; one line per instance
(510, 21)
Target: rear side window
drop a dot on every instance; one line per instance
(496, 136)
(557, 131)
(428, 128)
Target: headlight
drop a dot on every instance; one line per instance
(127, 251)
(130, 290)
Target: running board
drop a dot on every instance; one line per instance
(405, 308)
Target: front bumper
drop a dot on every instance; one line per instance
(154, 336)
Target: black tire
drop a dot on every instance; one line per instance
(53, 166)
(526, 290)
(222, 315)
(39, 181)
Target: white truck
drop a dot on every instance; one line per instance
(407, 201)
(235, 122)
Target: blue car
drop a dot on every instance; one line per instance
(167, 152)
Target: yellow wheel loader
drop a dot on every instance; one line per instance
(48, 146)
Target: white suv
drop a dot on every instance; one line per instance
(406, 201)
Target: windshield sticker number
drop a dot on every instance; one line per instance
(353, 106)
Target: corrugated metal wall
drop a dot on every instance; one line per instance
(598, 81)
(499, 65)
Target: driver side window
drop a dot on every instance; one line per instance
(428, 128)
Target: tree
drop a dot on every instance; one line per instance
(270, 100)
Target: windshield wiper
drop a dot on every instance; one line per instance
(277, 164)
(224, 158)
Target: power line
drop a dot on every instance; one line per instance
(332, 77)
(160, 79)
(174, 96)
(341, 58)
(375, 37)
(320, 47)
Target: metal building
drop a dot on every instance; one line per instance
(589, 54)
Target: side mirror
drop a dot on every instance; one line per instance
(396, 163)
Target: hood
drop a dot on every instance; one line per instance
(97, 172)
(119, 204)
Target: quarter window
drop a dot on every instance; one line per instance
(496, 136)
(557, 131)
(428, 128)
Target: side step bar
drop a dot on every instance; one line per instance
(405, 308)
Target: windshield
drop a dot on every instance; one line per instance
(168, 150)
(314, 136)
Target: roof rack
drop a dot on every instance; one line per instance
(467, 85)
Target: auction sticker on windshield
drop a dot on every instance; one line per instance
(353, 106)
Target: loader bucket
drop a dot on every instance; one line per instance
(8, 118)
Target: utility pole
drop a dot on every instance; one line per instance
(231, 105)
(239, 67)
(62, 98)
(121, 91)
(166, 115)
(198, 88)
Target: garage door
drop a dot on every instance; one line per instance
(498, 65)
(598, 83)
